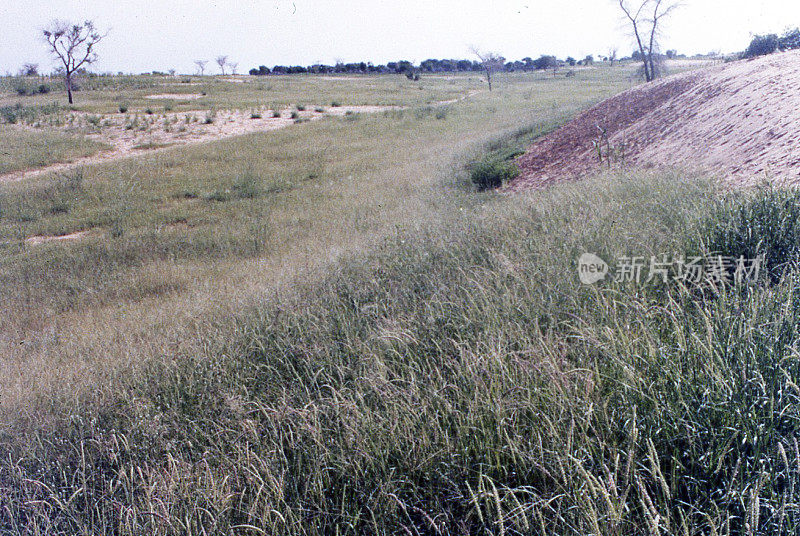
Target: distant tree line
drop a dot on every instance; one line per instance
(762, 45)
(428, 66)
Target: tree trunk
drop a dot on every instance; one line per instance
(647, 74)
(69, 88)
(650, 50)
(489, 78)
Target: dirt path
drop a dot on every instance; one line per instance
(179, 129)
(160, 132)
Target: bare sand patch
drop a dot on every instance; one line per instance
(176, 96)
(41, 239)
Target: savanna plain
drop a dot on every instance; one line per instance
(278, 305)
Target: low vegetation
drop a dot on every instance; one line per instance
(462, 380)
(23, 149)
(438, 368)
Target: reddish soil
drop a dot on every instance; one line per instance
(737, 120)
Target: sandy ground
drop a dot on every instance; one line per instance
(737, 120)
(163, 131)
(176, 96)
(38, 240)
(170, 130)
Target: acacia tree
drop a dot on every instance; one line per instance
(29, 69)
(201, 66)
(490, 62)
(222, 61)
(73, 45)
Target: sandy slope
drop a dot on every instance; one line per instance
(738, 120)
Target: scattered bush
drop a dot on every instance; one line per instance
(123, 108)
(761, 45)
(492, 173)
(295, 115)
(247, 187)
(219, 196)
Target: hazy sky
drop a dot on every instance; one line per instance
(150, 35)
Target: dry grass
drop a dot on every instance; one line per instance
(281, 334)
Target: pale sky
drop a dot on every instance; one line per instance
(148, 35)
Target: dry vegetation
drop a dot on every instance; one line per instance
(323, 330)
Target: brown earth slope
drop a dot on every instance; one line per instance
(739, 120)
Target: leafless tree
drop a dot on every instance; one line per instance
(222, 61)
(491, 63)
(234, 66)
(612, 55)
(647, 29)
(634, 14)
(172, 72)
(201, 66)
(661, 9)
(73, 45)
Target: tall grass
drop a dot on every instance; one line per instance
(458, 381)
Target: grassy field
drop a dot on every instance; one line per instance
(213, 225)
(23, 149)
(325, 330)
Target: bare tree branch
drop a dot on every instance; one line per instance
(491, 63)
(222, 61)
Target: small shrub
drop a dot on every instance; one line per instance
(59, 207)
(301, 108)
(43, 89)
(319, 110)
(295, 115)
(10, 114)
(210, 116)
(149, 111)
(492, 173)
(219, 196)
(123, 109)
(247, 187)
(255, 114)
(276, 114)
(20, 87)
(335, 104)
